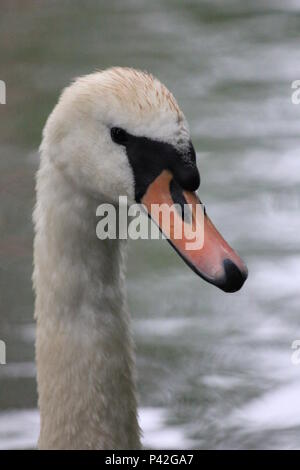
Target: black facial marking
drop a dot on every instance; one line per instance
(149, 157)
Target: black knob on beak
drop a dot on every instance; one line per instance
(188, 178)
(185, 170)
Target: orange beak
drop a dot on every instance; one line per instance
(192, 234)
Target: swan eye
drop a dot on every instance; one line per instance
(118, 135)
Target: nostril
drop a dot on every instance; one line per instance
(234, 278)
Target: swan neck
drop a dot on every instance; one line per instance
(85, 360)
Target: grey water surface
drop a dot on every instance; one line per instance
(214, 369)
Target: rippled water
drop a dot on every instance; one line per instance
(214, 369)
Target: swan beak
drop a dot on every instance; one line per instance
(192, 234)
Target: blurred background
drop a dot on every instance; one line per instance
(214, 369)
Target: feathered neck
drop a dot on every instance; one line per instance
(84, 349)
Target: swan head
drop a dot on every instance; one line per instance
(83, 138)
(120, 132)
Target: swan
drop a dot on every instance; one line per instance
(114, 132)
